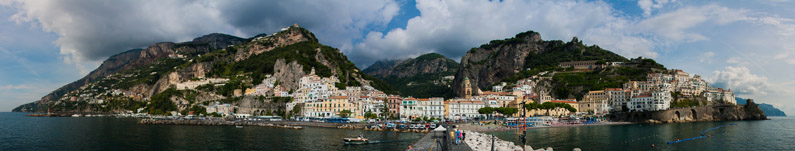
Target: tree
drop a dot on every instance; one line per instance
(370, 115)
(549, 105)
(297, 109)
(385, 111)
(486, 110)
(507, 111)
(345, 113)
(161, 102)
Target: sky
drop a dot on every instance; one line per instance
(745, 46)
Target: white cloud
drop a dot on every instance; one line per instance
(790, 61)
(91, 30)
(8, 87)
(648, 5)
(740, 80)
(453, 27)
(706, 57)
(785, 25)
(675, 26)
(781, 56)
(733, 60)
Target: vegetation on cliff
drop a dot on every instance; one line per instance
(244, 62)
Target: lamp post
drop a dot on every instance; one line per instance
(523, 137)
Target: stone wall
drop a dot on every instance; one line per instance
(750, 111)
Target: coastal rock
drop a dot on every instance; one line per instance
(749, 111)
(478, 141)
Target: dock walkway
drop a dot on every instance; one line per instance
(430, 142)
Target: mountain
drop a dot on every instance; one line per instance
(147, 77)
(769, 110)
(526, 54)
(136, 58)
(423, 76)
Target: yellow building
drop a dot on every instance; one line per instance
(330, 107)
(446, 109)
(250, 91)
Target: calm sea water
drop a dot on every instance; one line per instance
(775, 134)
(18, 132)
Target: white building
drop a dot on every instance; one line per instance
(460, 110)
(223, 109)
(651, 101)
(618, 98)
(720, 95)
(409, 109)
(433, 107)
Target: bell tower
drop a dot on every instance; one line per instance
(467, 88)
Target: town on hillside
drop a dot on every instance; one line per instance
(318, 97)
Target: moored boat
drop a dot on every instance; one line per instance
(357, 140)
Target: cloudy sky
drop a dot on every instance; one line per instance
(743, 45)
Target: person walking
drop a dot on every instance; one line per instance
(452, 134)
(463, 135)
(457, 137)
(460, 136)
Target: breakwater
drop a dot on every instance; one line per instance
(481, 142)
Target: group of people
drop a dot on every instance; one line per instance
(459, 136)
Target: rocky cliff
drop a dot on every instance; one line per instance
(136, 58)
(128, 80)
(382, 68)
(769, 110)
(500, 59)
(431, 63)
(423, 76)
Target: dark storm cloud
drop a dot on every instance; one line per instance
(91, 30)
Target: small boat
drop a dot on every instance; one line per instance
(75, 115)
(238, 126)
(356, 141)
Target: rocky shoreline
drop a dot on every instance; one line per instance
(482, 142)
(215, 123)
(749, 111)
(274, 124)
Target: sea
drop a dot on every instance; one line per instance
(18, 132)
(778, 133)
